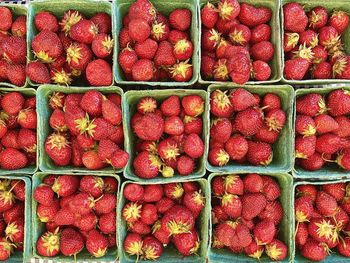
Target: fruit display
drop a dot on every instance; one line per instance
(245, 126)
(18, 126)
(71, 49)
(13, 46)
(322, 130)
(236, 42)
(313, 42)
(322, 221)
(75, 214)
(86, 129)
(163, 219)
(155, 47)
(169, 136)
(13, 219)
(246, 216)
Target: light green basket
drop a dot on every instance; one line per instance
(17, 10)
(330, 6)
(165, 7)
(26, 92)
(24, 256)
(276, 63)
(130, 102)
(87, 7)
(170, 254)
(44, 130)
(333, 257)
(284, 147)
(329, 171)
(285, 233)
(39, 228)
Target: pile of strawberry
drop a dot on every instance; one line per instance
(13, 47)
(154, 47)
(244, 127)
(169, 137)
(18, 123)
(246, 213)
(87, 130)
(73, 50)
(12, 197)
(322, 130)
(233, 34)
(157, 215)
(322, 215)
(78, 212)
(313, 47)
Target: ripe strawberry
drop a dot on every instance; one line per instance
(92, 185)
(64, 217)
(185, 165)
(295, 19)
(180, 19)
(325, 124)
(138, 227)
(127, 58)
(133, 244)
(12, 159)
(252, 205)
(46, 21)
(66, 185)
(171, 106)
(160, 31)
(326, 204)
(131, 212)
(193, 105)
(260, 33)
(111, 112)
(307, 190)
(16, 74)
(58, 149)
(264, 232)
(146, 49)
(27, 140)
(343, 123)
(84, 31)
(328, 143)
(48, 244)
(271, 189)
(124, 38)
(27, 119)
(183, 49)
(242, 99)
(193, 125)
(96, 243)
(318, 17)
(275, 119)
(142, 70)
(265, 134)
(253, 183)
(260, 70)
(187, 243)
(47, 213)
(106, 204)
(97, 68)
(305, 125)
(276, 250)
(259, 153)
(142, 9)
(232, 205)
(209, 15)
(339, 20)
(86, 223)
(273, 211)
(239, 68)
(13, 49)
(181, 72)
(150, 127)
(71, 242)
(164, 205)
(152, 248)
(328, 36)
(139, 30)
(308, 38)
(146, 165)
(254, 250)
(210, 39)
(194, 201)
(102, 45)
(18, 189)
(333, 100)
(43, 194)
(149, 214)
(218, 157)
(133, 192)
(263, 51)
(6, 22)
(296, 69)
(119, 159)
(228, 9)
(164, 55)
(249, 121)
(173, 126)
(221, 130)
(240, 35)
(314, 250)
(47, 46)
(38, 72)
(177, 220)
(252, 16)
(193, 146)
(10, 139)
(311, 104)
(236, 147)
(103, 22)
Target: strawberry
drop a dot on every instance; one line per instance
(142, 9)
(95, 69)
(252, 16)
(339, 20)
(303, 208)
(242, 99)
(6, 22)
(183, 49)
(43, 194)
(27, 119)
(47, 213)
(133, 244)
(241, 238)
(12, 159)
(133, 192)
(218, 214)
(18, 189)
(46, 21)
(295, 19)
(180, 19)
(181, 72)
(146, 49)
(152, 193)
(307, 190)
(253, 183)
(10, 139)
(173, 126)
(48, 244)
(254, 250)
(290, 40)
(153, 121)
(106, 204)
(276, 250)
(260, 33)
(92, 185)
(38, 72)
(149, 214)
(221, 130)
(333, 100)
(139, 30)
(259, 153)
(193, 125)
(210, 39)
(193, 105)
(66, 185)
(193, 146)
(314, 250)
(171, 106)
(240, 35)
(225, 232)
(47, 46)
(275, 119)
(239, 68)
(127, 58)
(187, 243)
(296, 69)
(308, 38)
(273, 211)
(152, 248)
(160, 31)
(142, 70)
(13, 49)
(177, 220)
(146, 165)
(103, 22)
(124, 38)
(248, 121)
(252, 205)
(305, 125)
(64, 217)
(325, 124)
(232, 205)
(185, 165)
(96, 243)
(86, 223)
(164, 204)
(27, 140)
(265, 134)
(119, 159)
(138, 227)
(71, 242)
(58, 149)
(271, 189)
(173, 191)
(318, 17)
(326, 204)
(262, 51)
(311, 104)
(264, 232)
(16, 74)
(327, 143)
(84, 31)
(260, 70)
(102, 45)
(218, 157)
(194, 201)
(236, 147)
(228, 9)
(343, 123)
(209, 15)
(131, 212)
(56, 100)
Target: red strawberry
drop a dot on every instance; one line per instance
(95, 69)
(193, 125)
(218, 157)
(193, 105)
(13, 49)
(171, 106)
(314, 250)
(239, 68)
(253, 183)
(305, 125)
(124, 38)
(249, 121)
(185, 165)
(106, 204)
(232, 205)
(303, 208)
(164, 205)
(209, 15)
(327, 143)
(27, 140)
(240, 35)
(271, 101)
(96, 244)
(6, 22)
(180, 19)
(103, 22)
(183, 49)
(173, 126)
(102, 45)
(152, 248)
(127, 58)
(328, 36)
(48, 244)
(228, 9)
(264, 232)
(339, 20)
(236, 147)
(160, 31)
(311, 104)
(193, 146)
(187, 243)
(181, 71)
(146, 165)
(295, 69)
(146, 49)
(290, 40)
(58, 149)
(271, 189)
(139, 30)
(71, 242)
(334, 106)
(178, 220)
(275, 119)
(221, 130)
(252, 205)
(46, 21)
(254, 250)
(259, 153)
(344, 128)
(194, 201)
(273, 211)
(307, 190)
(38, 72)
(305, 146)
(265, 134)
(92, 185)
(326, 204)
(84, 31)
(133, 244)
(133, 192)
(142, 9)
(12, 159)
(260, 70)
(10, 139)
(27, 119)
(149, 214)
(142, 70)
(318, 17)
(66, 185)
(43, 194)
(139, 228)
(111, 112)
(86, 223)
(252, 16)
(164, 55)
(242, 99)
(276, 250)
(150, 127)
(16, 74)
(131, 212)
(295, 19)
(210, 39)
(47, 46)
(260, 33)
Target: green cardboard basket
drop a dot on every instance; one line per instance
(333, 257)
(17, 10)
(44, 113)
(39, 228)
(329, 171)
(130, 101)
(282, 150)
(330, 6)
(58, 7)
(170, 254)
(24, 256)
(29, 170)
(276, 63)
(121, 8)
(285, 233)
